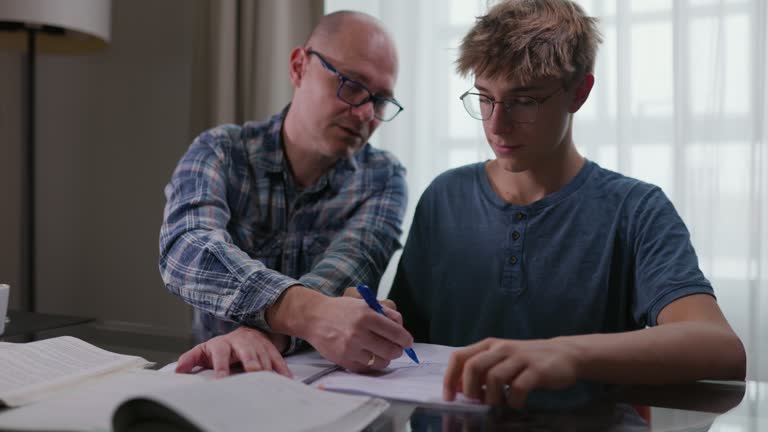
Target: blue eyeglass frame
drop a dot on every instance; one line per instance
(343, 79)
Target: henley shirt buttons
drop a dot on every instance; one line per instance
(515, 235)
(520, 216)
(513, 260)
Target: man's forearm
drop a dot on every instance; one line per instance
(291, 313)
(674, 352)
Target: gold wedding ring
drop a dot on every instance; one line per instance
(372, 359)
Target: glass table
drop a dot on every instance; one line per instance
(19, 324)
(699, 406)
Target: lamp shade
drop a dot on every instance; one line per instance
(64, 26)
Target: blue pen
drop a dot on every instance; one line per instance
(370, 298)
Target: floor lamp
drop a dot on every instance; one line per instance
(45, 26)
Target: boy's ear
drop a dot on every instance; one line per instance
(581, 94)
(297, 65)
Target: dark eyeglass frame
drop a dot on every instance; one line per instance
(343, 80)
(508, 105)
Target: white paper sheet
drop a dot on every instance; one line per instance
(404, 379)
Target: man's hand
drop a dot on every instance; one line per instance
(351, 334)
(254, 349)
(343, 329)
(484, 370)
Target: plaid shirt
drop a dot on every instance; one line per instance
(237, 232)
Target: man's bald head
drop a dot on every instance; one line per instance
(331, 25)
(337, 29)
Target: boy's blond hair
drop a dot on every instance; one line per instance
(530, 39)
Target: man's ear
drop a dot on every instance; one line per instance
(581, 94)
(297, 66)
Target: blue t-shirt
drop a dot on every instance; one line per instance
(606, 253)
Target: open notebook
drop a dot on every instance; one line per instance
(81, 387)
(35, 370)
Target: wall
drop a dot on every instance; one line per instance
(111, 127)
(10, 174)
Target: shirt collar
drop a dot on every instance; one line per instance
(269, 155)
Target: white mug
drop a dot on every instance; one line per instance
(4, 290)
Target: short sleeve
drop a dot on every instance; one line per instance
(666, 265)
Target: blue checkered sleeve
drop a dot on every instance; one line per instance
(198, 259)
(225, 189)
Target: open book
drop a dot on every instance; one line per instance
(263, 401)
(35, 370)
(86, 394)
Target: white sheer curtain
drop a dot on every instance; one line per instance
(680, 101)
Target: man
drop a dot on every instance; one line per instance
(266, 224)
(566, 273)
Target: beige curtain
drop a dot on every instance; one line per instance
(241, 59)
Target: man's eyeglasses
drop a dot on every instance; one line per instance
(356, 94)
(521, 109)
